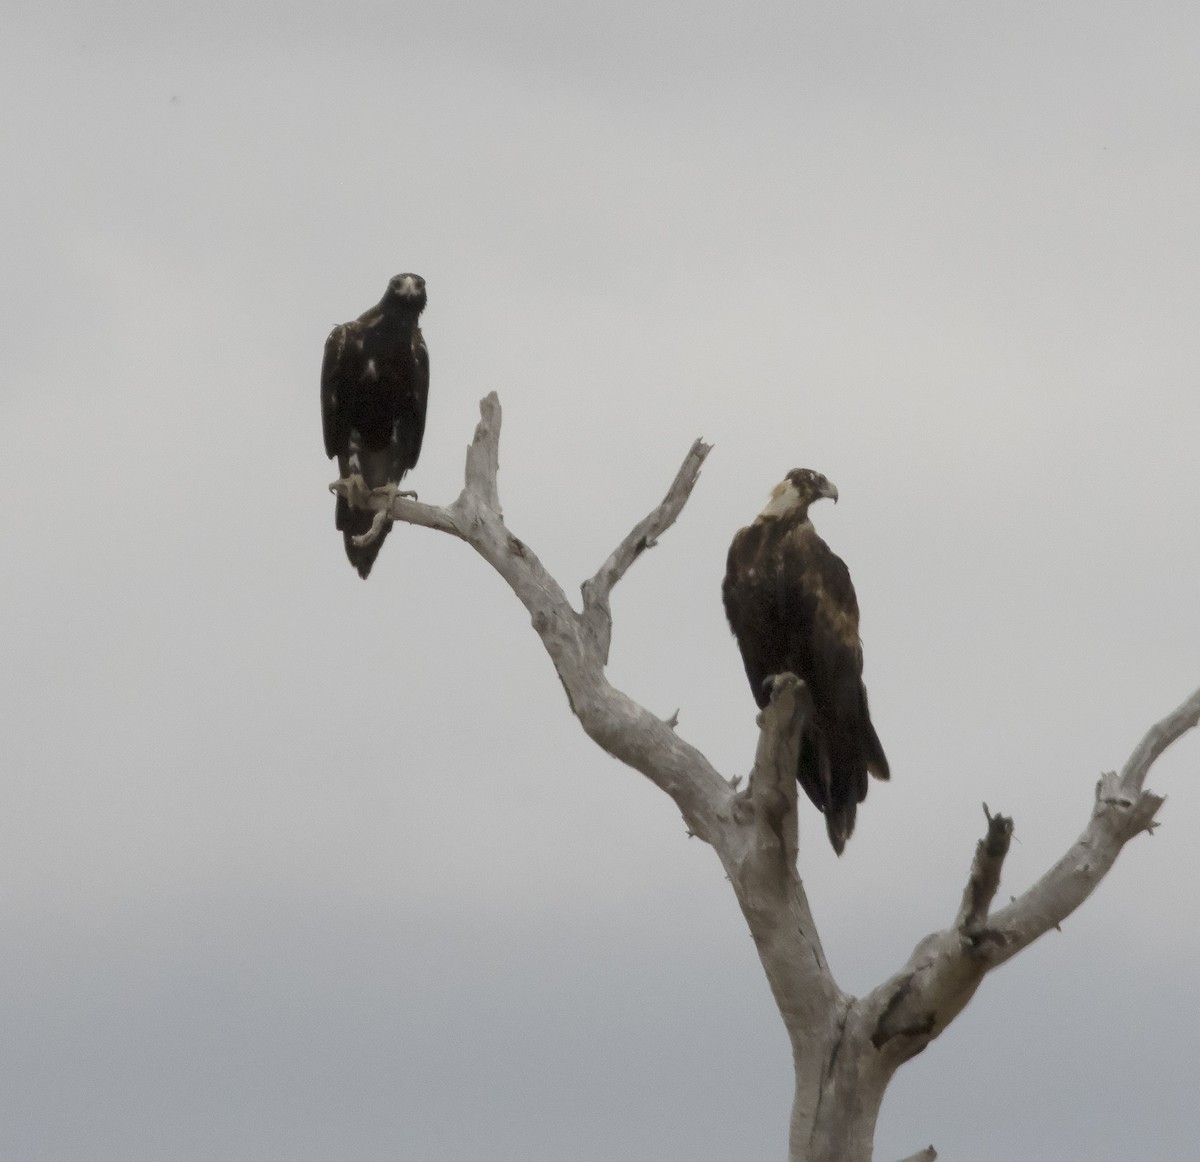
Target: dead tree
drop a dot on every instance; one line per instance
(845, 1049)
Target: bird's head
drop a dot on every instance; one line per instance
(797, 490)
(407, 290)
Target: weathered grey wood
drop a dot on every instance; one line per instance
(845, 1049)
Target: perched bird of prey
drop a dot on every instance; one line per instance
(374, 389)
(792, 609)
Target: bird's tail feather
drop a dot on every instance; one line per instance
(353, 522)
(835, 785)
(839, 823)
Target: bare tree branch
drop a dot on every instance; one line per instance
(768, 805)
(759, 854)
(1160, 736)
(985, 875)
(626, 730)
(429, 516)
(1122, 809)
(644, 535)
(946, 967)
(844, 1049)
(1115, 820)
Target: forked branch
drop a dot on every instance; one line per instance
(1121, 810)
(644, 535)
(845, 1049)
(945, 969)
(577, 642)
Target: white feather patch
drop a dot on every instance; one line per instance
(784, 498)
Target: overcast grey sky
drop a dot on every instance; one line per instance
(297, 868)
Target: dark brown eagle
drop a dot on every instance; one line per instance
(792, 608)
(374, 390)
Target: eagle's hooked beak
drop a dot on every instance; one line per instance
(829, 489)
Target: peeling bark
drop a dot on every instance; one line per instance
(844, 1049)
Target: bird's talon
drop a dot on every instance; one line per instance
(353, 488)
(377, 524)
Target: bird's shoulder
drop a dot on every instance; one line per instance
(343, 340)
(823, 574)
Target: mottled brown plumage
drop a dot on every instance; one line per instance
(792, 609)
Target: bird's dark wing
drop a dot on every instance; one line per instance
(835, 663)
(835, 632)
(752, 608)
(334, 376)
(827, 615)
(410, 420)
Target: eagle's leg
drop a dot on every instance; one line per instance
(391, 491)
(354, 489)
(378, 523)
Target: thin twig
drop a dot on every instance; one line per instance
(1160, 736)
(644, 535)
(985, 875)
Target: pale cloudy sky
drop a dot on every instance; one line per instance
(297, 868)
